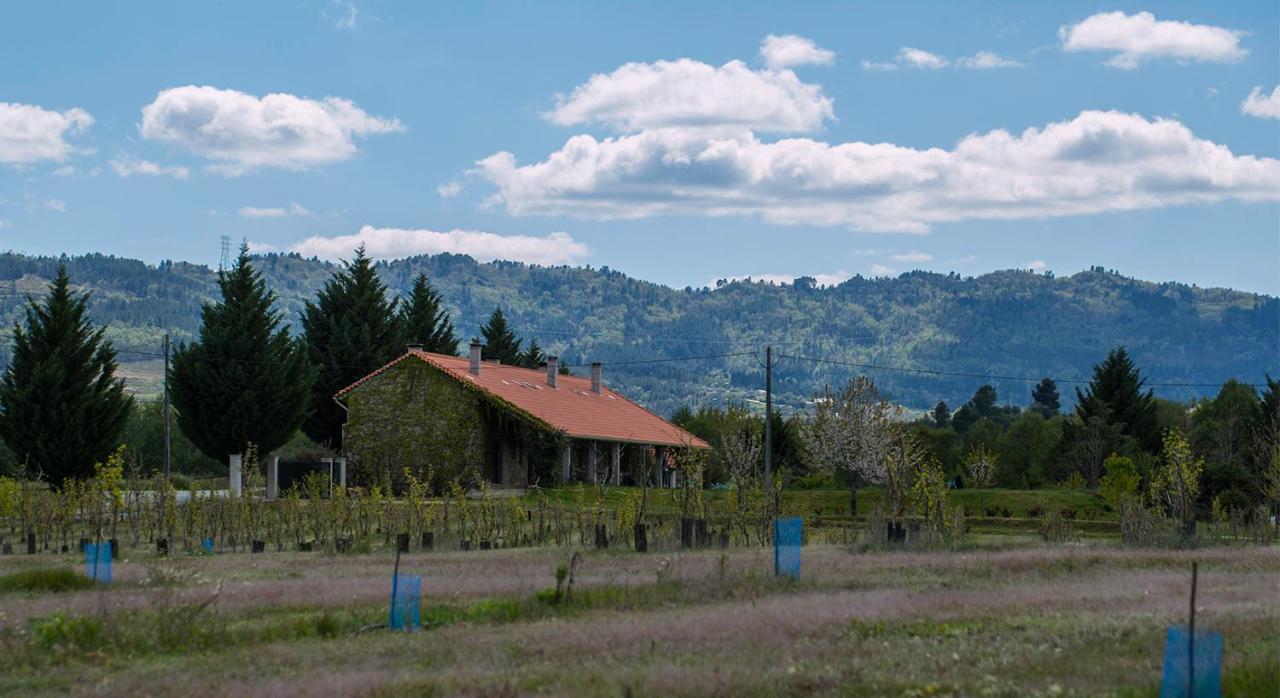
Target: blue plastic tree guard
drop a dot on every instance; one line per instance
(1208, 663)
(97, 562)
(207, 545)
(788, 534)
(405, 600)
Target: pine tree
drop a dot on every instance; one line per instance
(941, 415)
(1044, 398)
(63, 407)
(533, 357)
(499, 341)
(350, 331)
(425, 321)
(984, 401)
(1118, 383)
(245, 380)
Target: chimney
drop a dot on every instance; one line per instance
(553, 368)
(595, 377)
(415, 347)
(475, 358)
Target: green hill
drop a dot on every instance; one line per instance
(1008, 323)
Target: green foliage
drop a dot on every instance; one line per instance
(53, 580)
(425, 320)
(349, 331)
(1044, 398)
(1121, 482)
(500, 342)
(1177, 483)
(144, 437)
(62, 408)
(1115, 394)
(244, 381)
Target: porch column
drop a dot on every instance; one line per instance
(524, 466)
(273, 478)
(565, 460)
(342, 472)
(234, 481)
(592, 471)
(616, 462)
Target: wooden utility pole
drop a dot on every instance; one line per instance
(768, 416)
(166, 406)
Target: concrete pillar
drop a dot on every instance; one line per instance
(565, 459)
(592, 472)
(342, 472)
(234, 461)
(615, 460)
(273, 478)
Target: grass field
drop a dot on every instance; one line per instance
(1022, 620)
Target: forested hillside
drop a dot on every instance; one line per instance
(1009, 323)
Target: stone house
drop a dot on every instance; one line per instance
(446, 415)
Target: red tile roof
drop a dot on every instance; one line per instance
(570, 407)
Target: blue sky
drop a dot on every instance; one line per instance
(862, 139)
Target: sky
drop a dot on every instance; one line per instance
(676, 142)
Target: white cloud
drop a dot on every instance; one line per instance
(392, 243)
(919, 58)
(1138, 37)
(241, 132)
(30, 134)
(966, 259)
(346, 14)
(1262, 105)
(261, 247)
(65, 171)
(913, 256)
(986, 60)
(57, 205)
(689, 94)
(1093, 163)
(834, 279)
(1037, 265)
(873, 66)
(448, 190)
(791, 50)
(4, 223)
(292, 209)
(128, 165)
(882, 270)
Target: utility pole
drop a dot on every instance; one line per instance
(768, 416)
(166, 406)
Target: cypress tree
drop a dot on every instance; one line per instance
(63, 407)
(1117, 383)
(350, 330)
(245, 380)
(499, 341)
(425, 321)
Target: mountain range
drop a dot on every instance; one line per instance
(922, 336)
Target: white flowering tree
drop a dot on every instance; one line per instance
(852, 431)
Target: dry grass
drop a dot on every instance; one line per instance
(1073, 620)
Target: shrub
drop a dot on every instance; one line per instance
(1035, 511)
(44, 580)
(1069, 514)
(1055, 528)
(66, 634)
(1006, 513)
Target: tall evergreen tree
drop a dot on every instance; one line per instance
(63, 407)
(533, 357)
(984, 401)
(499, 341)
(1117, 383)
(350, 330)
(245, 380)
(425, 321)
(1044, 398)
(941, 415)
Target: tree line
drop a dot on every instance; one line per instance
(244, 379)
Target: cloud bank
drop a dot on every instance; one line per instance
(31, 134)
(1139, 37)
(240, 132)
(394, 243)
(1262, 105)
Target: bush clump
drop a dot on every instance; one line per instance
(55, 579)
